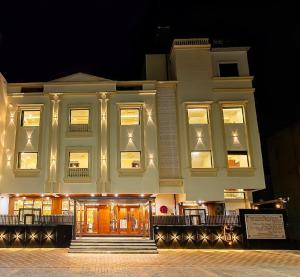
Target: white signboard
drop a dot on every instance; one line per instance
(123, 223)
(264, 226)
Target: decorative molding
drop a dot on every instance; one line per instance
(202, 172)
(239, 172)
(233, 79)
(171, 182)
(234, 90)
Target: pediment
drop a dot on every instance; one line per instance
(80, 77)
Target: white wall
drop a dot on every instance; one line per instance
(4, 201)
(195, 71)
(148, 181)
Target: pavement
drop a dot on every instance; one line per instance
(168, 263)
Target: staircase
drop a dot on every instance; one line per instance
(113, 246)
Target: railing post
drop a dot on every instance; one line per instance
(74, 221)
(151, 233)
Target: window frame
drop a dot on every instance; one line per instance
(132, 168)
(205, 171)
(241, 171)
(19, 129)
(19, 160)
(131, 171)
(22, 118)
(128, 108)
(69, 132)
(76, 179)
(228, 62)
(199, 151)
(238, 153)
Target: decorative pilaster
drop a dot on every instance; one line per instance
(103, 170)
(53, 171)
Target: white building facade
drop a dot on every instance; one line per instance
(187, 136)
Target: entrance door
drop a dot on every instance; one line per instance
(129, 220)
(104, 220)
(113, 220)
(91, 220)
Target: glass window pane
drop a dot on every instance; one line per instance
(130, 159)
(234, 195)
(79, 116)
(237, 160)
(79, 160)
(130, 117)
(233, 115)
(37, 204)
(201, 159)
(65, 204)
(18, 204)
(28, 160)
(30, 118)
(198, 116)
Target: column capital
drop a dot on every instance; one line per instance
(55, 96)
(103, 96)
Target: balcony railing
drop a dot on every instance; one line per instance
(78, 172)
(38, 220)
(186, 220)
(81, 128)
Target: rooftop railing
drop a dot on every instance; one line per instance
(191, 41)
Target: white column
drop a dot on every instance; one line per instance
(53, 171)
(103, 170)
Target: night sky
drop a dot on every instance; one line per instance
(43, 40)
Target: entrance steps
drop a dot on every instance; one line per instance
(113, 246)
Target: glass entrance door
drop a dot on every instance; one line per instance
(91, 221)
(129, 220)
(112, 219)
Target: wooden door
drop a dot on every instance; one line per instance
(104, 220)
(129, 221)
(91, 220)
(134, 220)
(123, 220)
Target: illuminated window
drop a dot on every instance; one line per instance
(237, 159)
(27, 160)
(201, 159)
(79, 160)
(47, 207)
(78, 164)
(79, 116)
(198, 116)
(234, 195)
(233, 115)
(130, 116)
(130, 159)
(30, 118)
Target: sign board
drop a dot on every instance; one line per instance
(264, 226)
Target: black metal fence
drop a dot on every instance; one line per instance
(38, 220)
(209, 220)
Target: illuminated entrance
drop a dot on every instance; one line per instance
(104, 216)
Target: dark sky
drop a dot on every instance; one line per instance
(42, 40)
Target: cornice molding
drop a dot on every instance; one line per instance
(234, 90)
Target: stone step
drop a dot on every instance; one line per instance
(110, 241)
(113, 251)
(112, 247)
(112, 244)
